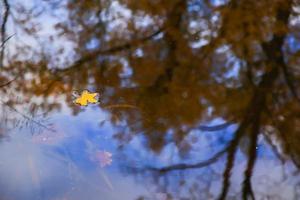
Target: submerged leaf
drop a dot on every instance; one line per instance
(48, 138)
(104, 158)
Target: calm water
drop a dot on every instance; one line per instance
(199, 100)
(63, 165)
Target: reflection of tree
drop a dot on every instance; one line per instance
(3, 30)
(22, 120)
(192, 62)
(200, 182)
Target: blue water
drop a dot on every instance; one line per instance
(64, 169)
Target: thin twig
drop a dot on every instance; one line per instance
(198, 165)
(25, 116)
(3, 30)
(215, 127)
(112, 50)
(3, 43)
(8, 83)
(58, 73)
(274, 148)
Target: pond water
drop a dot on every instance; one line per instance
(81, 159)
(197, 100)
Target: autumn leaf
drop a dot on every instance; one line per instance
(85, 98)
(104, 158)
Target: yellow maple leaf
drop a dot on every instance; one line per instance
(85, 98)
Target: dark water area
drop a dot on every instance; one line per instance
(149, 100)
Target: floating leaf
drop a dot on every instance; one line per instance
(85, 98)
